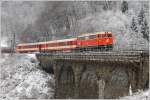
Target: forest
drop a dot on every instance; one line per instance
(33, 21)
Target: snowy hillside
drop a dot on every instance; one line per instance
(20, 78)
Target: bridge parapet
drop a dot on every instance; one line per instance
(99, 56)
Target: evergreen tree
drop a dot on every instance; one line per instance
(134, 25)
(145, 29)
(124, 6)
(141, 16)
(107, 5)
(143, 24)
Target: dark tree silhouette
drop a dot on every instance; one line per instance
(134, 25)
(141, 16)
(145, 30)
(143, 24)
(124, 6)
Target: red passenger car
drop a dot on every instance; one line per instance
(64, 45)
(27, 47)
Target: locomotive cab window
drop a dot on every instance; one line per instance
(92, 36)
(82, 38)
(103, 35)
(109, 35)
(99, 35)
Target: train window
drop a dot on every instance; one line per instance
(50, 45)
(99, 35)
(55, 44)
(92, 36)
(87, 37)
(109, 35)
(74, 42)
(62, 43)
(82, 38)
(103, 35)
(70, 43)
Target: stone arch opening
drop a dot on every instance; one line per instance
(66, 81)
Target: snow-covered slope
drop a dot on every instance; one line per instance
(21, 78)
(141, 95)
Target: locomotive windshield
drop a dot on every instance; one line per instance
(109, 35)
(82, 38)
(92, 36)
(103, 35)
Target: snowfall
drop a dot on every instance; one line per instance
(22, 78)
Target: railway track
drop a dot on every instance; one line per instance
(98, 56)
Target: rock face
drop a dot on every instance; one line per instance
(95, 79)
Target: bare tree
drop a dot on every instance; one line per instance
(72, 21)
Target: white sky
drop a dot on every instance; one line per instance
(3, 43)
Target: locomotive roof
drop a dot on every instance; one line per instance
(94, 33)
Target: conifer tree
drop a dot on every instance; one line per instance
(134, 25)
(145, 29)
(124, 6)
(141, 17)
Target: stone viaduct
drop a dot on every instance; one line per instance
(97, 74)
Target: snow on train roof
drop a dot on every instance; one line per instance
(88, 34)
(24, 44)
(64, 40)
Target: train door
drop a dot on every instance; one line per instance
(40, 48)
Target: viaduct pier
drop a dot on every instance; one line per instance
(96, 75)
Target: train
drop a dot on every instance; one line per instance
(84, 42)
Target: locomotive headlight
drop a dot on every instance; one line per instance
(107, 40)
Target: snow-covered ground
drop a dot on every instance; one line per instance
(20, 77)
(141, 95)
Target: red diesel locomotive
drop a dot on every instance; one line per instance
(90, 41)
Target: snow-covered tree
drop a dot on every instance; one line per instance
(134, 25)
(124, 6)
(145, 29)
(141, 17)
